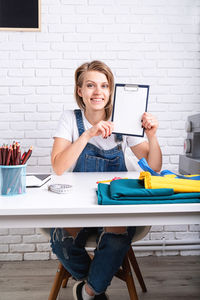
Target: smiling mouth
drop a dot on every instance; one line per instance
(97, 100)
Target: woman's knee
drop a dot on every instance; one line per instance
(73, 231)
(117, 230)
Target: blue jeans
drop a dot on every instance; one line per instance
(108, 255)
(111, 247)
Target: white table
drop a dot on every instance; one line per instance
(42, 208)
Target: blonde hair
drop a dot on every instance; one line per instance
(79, 78)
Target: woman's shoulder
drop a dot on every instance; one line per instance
(67, 117)
(68, 114)
(66, 125)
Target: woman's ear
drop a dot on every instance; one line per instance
(79, 92)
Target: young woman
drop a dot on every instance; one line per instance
(84, 143)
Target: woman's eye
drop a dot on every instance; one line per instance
(105, 86)
(90, 85)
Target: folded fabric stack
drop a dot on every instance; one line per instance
(144, 191)
(179, 185)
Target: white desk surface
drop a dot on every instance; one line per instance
(42, 208)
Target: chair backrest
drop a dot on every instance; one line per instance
(141, 232)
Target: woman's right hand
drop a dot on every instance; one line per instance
(103, 128)
(65, 153)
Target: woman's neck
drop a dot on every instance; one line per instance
(94, 117)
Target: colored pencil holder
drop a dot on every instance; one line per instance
(12, 180)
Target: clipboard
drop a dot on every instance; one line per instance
(130, 102)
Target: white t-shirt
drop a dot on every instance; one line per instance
(67, 129)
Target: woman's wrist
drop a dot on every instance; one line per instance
(151, 138)
(86, 135)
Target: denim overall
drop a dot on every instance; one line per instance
(111, 247)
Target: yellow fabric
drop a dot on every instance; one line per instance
(168, 181)
(186, 176)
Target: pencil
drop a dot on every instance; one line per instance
(23, 155)
(28, 154)
(17, 150)
(104, 181)
(4, 155)
(9, 155)
(18, 157)
(17, 146)
(14, 153)
(12, 157)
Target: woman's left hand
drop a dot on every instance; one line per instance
(150, 124)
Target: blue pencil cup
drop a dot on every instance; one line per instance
(12, 180)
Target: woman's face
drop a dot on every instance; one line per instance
(95, 91)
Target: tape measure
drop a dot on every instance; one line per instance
(60, 188)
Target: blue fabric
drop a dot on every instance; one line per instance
(144, 165)
(133, 188)
(111, 247)
(93, 159)
(115, 194)
(71, 253)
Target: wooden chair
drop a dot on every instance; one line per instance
(124, 273)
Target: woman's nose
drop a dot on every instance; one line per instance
(98, 89)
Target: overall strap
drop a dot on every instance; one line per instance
(118, 137)
(79, 121)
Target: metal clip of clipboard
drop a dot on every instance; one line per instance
(131, 87)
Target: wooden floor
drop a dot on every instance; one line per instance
(174, 278)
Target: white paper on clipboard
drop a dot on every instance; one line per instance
(130, 102)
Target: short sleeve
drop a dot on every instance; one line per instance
(65, 126)
(134, 140)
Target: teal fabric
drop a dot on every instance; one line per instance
(129, 188)
(132, 191)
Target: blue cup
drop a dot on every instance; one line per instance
(12, 180)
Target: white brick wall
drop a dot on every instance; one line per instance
(153, 42)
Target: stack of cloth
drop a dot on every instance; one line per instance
(133, 191)
(179, 185)
(151, 189)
